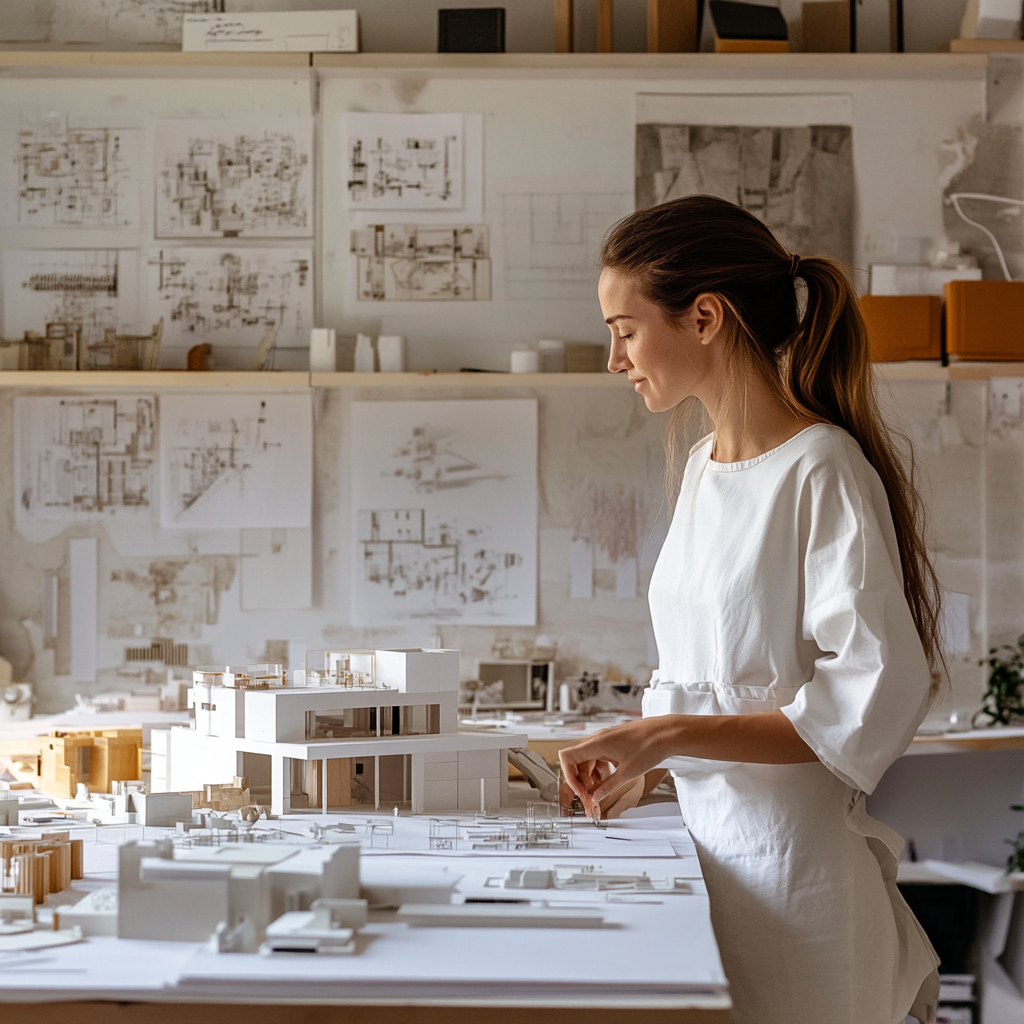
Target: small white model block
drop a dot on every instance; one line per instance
(163, 810)
(8, 809)
(417, 670)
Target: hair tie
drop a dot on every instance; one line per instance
(794, 267)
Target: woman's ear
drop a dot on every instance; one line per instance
(708, 316)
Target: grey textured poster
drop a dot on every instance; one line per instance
(798, 180)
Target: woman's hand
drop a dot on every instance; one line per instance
(608, 769)
(626, 796)
(602, 765)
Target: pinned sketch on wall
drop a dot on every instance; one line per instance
(236, 460)
(444, 510)
(551, 241)
(84, 459)
(106, 22)
(277, 569)
(64, 175)
(797, 179)
(409, 262)
(607, 536)
(404, 161)
(96, 288)
(231, 296)
(234, 178)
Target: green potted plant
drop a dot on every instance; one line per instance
(1015, 862)
(1003, 701)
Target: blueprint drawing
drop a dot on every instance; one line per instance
(444, 510)
(797, 180)
(404, 161)
(97, 288)
(85, 459)
(66, 176)
(405, 262)
(551, 241)
(106, 22)
(231, 179)
(231, 296)
(236, 460)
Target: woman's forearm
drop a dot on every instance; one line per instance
(766, 738)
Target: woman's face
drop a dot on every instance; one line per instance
(665, 362)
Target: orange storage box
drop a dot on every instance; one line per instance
(903, 326)
(985, 319)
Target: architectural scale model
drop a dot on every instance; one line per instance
(353, 729)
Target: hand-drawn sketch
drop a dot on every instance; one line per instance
(231, 296)
(444, 508)
(84, 459)
(262, 31)
(403, 262)
(107, 22)
(95, 288)
(551, 241)
(65, 175)
(404, 161)
(233, 178)
(799, 181)
(236, 460)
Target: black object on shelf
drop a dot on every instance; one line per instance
(747, 21)
(471, 30)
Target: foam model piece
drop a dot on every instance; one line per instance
(354, 729)
(232, 891)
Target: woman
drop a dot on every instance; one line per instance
(795, 612)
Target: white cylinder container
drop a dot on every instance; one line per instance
(525, 362)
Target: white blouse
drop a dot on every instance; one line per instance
(779, 586)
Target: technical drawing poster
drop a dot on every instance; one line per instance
(236, 460)
(97, 288)
(234, 178)
(63, 175)
(231, 296)
(404, 161)
(797, 179)
(84, 459)
(444, 508)
(104, 22)
(406, 262)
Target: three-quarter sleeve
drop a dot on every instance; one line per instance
(870, 686)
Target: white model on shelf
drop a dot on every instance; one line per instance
(355, 729)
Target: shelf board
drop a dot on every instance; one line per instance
(764, 65)
(960, 743)
(986, 46)
(910, 371)
(143, 380)
(663, 65)
(488, 381)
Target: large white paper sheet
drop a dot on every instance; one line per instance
(404, 161)
(236, 460)
(231, 296)
(234, 178)
(84, 458)
(65, 173)
(97, 288)
(444, 509)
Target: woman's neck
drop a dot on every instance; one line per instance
(751, 420)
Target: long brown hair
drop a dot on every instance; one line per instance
(817, 365)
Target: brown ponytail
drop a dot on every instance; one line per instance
(818, 365)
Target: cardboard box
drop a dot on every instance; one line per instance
(985, 320)
(903, 327)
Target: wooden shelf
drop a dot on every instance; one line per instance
(914, 371)
(141, 380)
(484, 381)
(961, 743)
(761, 65)
(986, 46)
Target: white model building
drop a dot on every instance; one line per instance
(354, 728)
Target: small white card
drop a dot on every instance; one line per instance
(268, 31)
